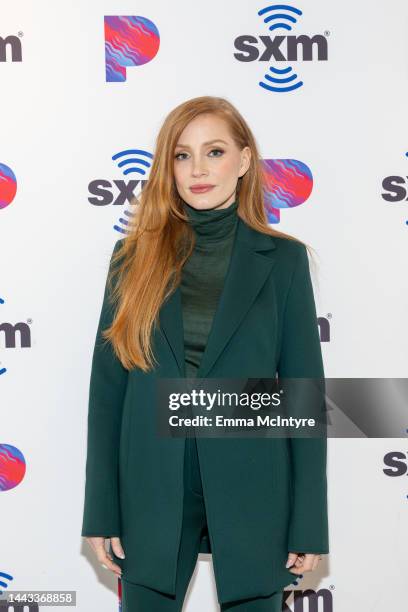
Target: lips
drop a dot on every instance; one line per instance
(201, 188)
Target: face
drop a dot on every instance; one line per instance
(206, 156)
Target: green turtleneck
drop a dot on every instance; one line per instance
(203, 276)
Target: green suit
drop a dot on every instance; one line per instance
(264, 496)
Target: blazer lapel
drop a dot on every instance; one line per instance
(247, 272)
(171, 323)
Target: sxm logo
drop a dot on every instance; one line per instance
(11, 48)
(8, 335)
(397, 464)
(129, 41)
(324, 327)
(321, 600)
(3, 370)
(130, 162)
(395, 188)
(280, 48)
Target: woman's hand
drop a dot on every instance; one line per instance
(104, 558)
(302, 562)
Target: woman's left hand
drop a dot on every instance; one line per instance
(298, 563)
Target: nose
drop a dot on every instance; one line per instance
(199, 167)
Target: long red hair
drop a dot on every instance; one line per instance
(147, 266)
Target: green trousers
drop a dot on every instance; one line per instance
(137, 598)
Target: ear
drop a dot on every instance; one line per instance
(245, 161)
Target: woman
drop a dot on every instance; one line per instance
(203, 288)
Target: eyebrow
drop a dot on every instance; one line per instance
(204, 143)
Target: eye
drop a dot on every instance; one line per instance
(177, 156)
(218, 151)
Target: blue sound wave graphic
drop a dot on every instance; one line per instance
(281, 24)
(280, 81)
(4, 584)
(138, 165)
(134, 161)
(124, 222)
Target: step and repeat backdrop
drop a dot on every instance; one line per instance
(85, 88)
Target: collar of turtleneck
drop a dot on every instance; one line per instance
(212, 225)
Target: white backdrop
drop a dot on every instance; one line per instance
(61, 124)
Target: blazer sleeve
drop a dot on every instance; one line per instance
(301, 357)
(107, 387)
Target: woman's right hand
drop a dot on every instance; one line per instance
(104, 558)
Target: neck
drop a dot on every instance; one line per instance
(212, 225)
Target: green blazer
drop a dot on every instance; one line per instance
(264, 497)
